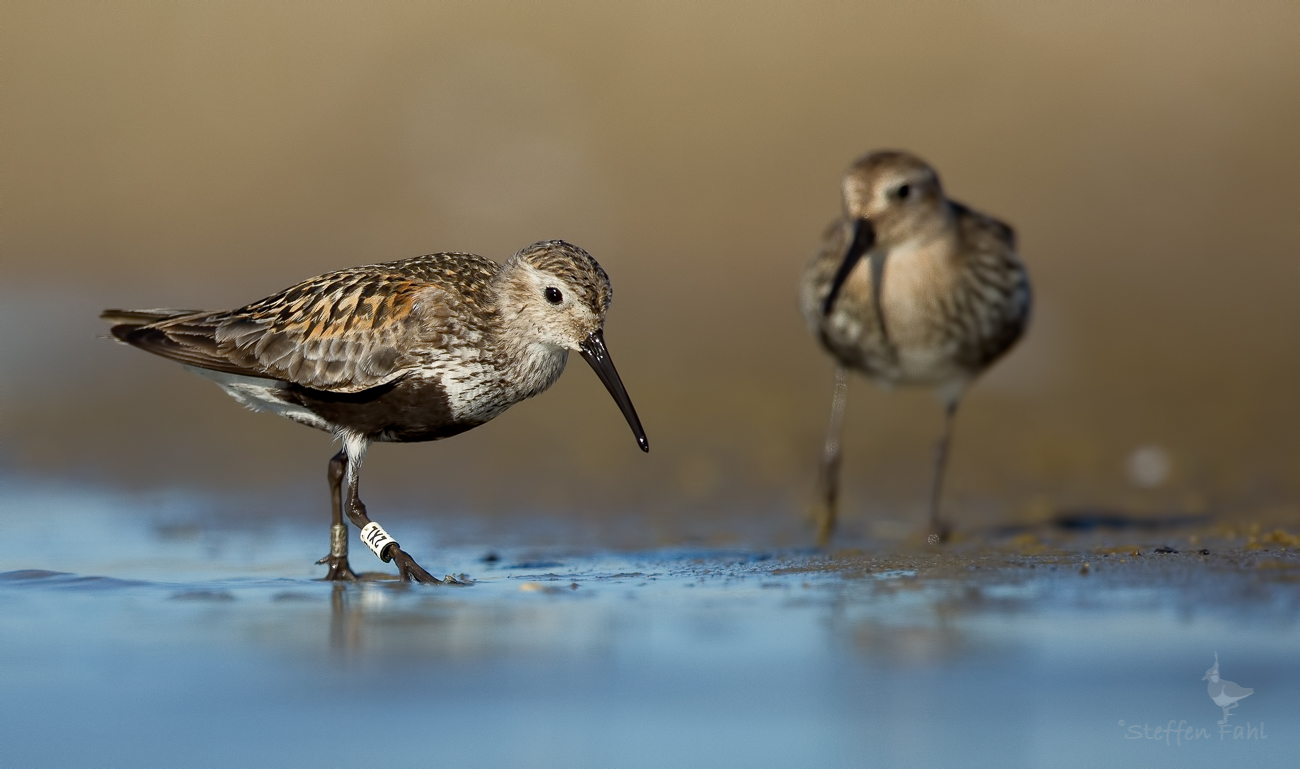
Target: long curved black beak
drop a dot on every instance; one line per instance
(593, 350)
(864, 237)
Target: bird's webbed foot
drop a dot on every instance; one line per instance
(339, 569)
(410, 571)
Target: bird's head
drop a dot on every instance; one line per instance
(1213, 673)
(555, 294)
(890, 197)
(897, 193)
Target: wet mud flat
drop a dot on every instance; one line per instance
(140, 642)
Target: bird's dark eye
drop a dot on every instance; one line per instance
(553, 295)
(903, 191)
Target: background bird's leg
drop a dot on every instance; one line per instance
(372, 533)
(828, 477)
(939, 531)
(1226, 712)
(337, 560)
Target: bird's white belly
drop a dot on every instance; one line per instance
(925, 365)
(261, 395)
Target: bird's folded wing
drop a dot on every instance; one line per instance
(983, 232)
(820, 272)
(344, 332)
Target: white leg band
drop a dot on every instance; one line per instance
(375, 538)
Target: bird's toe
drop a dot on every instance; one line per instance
(411, 571)
(339, 569)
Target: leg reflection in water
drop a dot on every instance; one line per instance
(345, 620)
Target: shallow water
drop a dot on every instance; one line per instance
(134, 640)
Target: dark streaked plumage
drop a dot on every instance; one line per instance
(414, 350)
(910, 288)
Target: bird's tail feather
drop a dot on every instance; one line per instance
(142, 317)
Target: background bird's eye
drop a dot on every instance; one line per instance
(903, 191)
(554, 296)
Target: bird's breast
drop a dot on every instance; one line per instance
(915, 346)
(947, 314)
(479, 383)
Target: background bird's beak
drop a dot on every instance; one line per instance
(864, 237)
(593, 350)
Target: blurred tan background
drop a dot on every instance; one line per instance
(207, 154)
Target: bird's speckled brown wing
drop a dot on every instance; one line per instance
(994, 295)
(820, 272)
(344, 331)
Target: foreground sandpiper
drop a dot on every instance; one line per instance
(910, 288)
(414, 350)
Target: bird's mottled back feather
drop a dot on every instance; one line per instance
(344, 331)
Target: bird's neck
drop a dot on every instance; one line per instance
(531, 367)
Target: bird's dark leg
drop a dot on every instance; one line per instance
(384, 546)
(828, 476)
(337, 560)
(939, 530)
(372, 533)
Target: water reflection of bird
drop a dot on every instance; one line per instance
(1224, 693)
(910, 288)
(415, 350)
